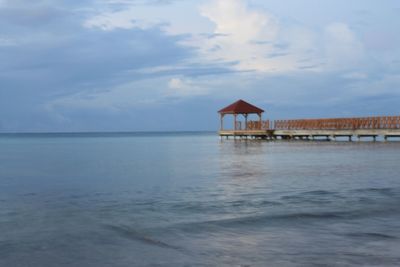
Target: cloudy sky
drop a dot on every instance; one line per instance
(130, 65)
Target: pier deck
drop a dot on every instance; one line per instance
(372, 127)
(331, 128)
(311, 134)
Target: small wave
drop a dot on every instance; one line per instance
(296, 199)
(383, 190)
(289, 218)
(308, 194)
(255, 203)
(318, 193)
(129, 233)
(220, 207)
(316, 215)
(264, 219)
(270, 203)
(371, 235)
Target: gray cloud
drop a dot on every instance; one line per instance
(52, 55)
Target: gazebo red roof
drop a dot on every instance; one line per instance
(240, 107)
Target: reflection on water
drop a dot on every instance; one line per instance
(239, 165)
(190, 199)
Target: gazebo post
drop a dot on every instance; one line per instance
(235, 121)
(260, 116)
(222, 122)
(245, 121)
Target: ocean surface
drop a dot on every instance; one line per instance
(190, 199)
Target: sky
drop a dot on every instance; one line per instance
(165, 65)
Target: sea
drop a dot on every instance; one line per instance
(192, 199)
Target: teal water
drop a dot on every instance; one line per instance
(190, 199)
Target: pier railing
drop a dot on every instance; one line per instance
(256, 125)
(387, 122)
(253, 125)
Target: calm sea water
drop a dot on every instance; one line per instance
(191, 200)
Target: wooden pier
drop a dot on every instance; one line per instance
(306, 129)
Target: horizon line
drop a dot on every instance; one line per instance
(109, 132)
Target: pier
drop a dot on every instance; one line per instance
(305, 129)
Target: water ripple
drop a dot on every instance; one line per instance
(135, 235)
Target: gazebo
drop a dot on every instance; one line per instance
(240, 107)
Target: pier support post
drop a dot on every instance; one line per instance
(350, 138)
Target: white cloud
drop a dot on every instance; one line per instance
(254, 39)
(233, 32)
(179, 87)
(175, 17)
(242, 24)
(241, 35)
(175, 83)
